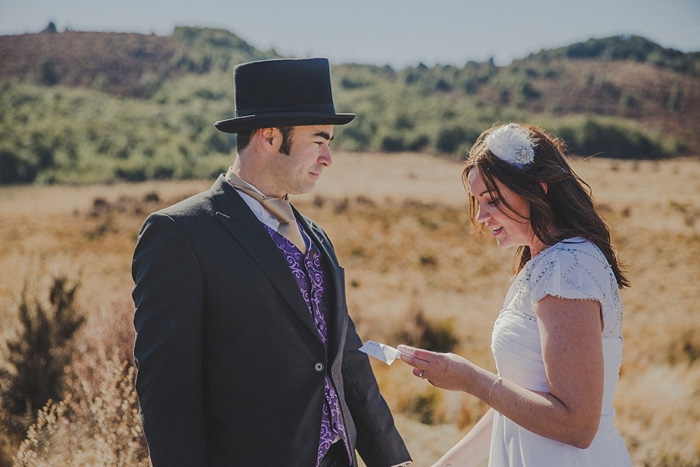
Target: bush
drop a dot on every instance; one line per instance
(14, 168)
(449, 140)
(39, 356)
(393, 144)
(420, 332)
(424, 407)
(99, 427)
(616, 141)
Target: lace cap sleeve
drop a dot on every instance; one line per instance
(568, 270)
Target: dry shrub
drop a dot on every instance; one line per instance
(111, 420)
(97, 422)
(35, 450)
(656, 408)
(90, 428)
(125, 204)
(39, 355)
(685, 347)
(424, 406)
(469, 412)
(419, 331)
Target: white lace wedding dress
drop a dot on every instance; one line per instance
(572, 269)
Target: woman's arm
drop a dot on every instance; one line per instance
(573, 360)
(474, 448)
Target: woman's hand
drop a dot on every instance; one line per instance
(442, 370)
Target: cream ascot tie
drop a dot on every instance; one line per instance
(278, 207)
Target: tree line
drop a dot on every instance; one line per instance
(55, 131)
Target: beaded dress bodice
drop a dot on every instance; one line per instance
(572, 269)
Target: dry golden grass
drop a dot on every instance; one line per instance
(400, 228)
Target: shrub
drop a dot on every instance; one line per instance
(425, 406)
(14, 168)
(393, 143)
(450, 140)
(420, 332)
(48, 74)
(616, 141)
(100, 427)
(39, 355)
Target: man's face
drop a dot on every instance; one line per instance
(309, 153)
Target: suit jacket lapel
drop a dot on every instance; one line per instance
(238, 219)
(336, 275)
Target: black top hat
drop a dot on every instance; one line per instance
(287, 92)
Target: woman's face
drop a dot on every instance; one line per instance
(509, 226)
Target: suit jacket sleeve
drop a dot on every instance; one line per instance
(168, 323)
(378, 441)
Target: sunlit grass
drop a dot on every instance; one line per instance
(400, 228)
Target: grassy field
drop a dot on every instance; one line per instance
(401, 230)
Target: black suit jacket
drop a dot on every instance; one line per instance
(231, 367)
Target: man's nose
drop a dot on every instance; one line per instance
(326, 158)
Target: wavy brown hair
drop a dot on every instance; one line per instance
(563, 210)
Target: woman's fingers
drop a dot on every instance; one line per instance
(407, 354)
(419, 359)
(414, 355)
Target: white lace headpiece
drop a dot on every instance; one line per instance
(513, 144)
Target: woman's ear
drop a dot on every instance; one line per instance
(544, 187)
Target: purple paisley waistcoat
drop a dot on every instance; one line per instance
(308, 270)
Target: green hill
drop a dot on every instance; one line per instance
(84, 107)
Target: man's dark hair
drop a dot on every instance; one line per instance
(243, 139)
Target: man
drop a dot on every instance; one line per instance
(245, 350)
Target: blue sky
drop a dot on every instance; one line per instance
(395, 32)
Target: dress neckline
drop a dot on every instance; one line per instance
(569, 240)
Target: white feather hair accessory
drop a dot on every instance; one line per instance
(513, 144)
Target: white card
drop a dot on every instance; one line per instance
(382, 352)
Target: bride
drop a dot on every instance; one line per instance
(557, 341)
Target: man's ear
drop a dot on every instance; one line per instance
(266, 137)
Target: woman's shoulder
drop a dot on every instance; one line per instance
(576, 250)
(572, 268)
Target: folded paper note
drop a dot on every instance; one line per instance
(383, 352)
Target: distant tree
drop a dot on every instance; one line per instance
(449, 139)
(48, 74)
(15, 167)
(51, 28)
(674, 99)
(393, 143)
(616, 141)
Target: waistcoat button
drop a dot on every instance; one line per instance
(318, 367)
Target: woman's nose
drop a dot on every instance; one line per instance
(481, 214)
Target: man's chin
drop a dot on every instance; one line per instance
(304, 190)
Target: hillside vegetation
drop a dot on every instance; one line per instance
(86, 107)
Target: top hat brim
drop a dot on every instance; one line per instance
(254, 122)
